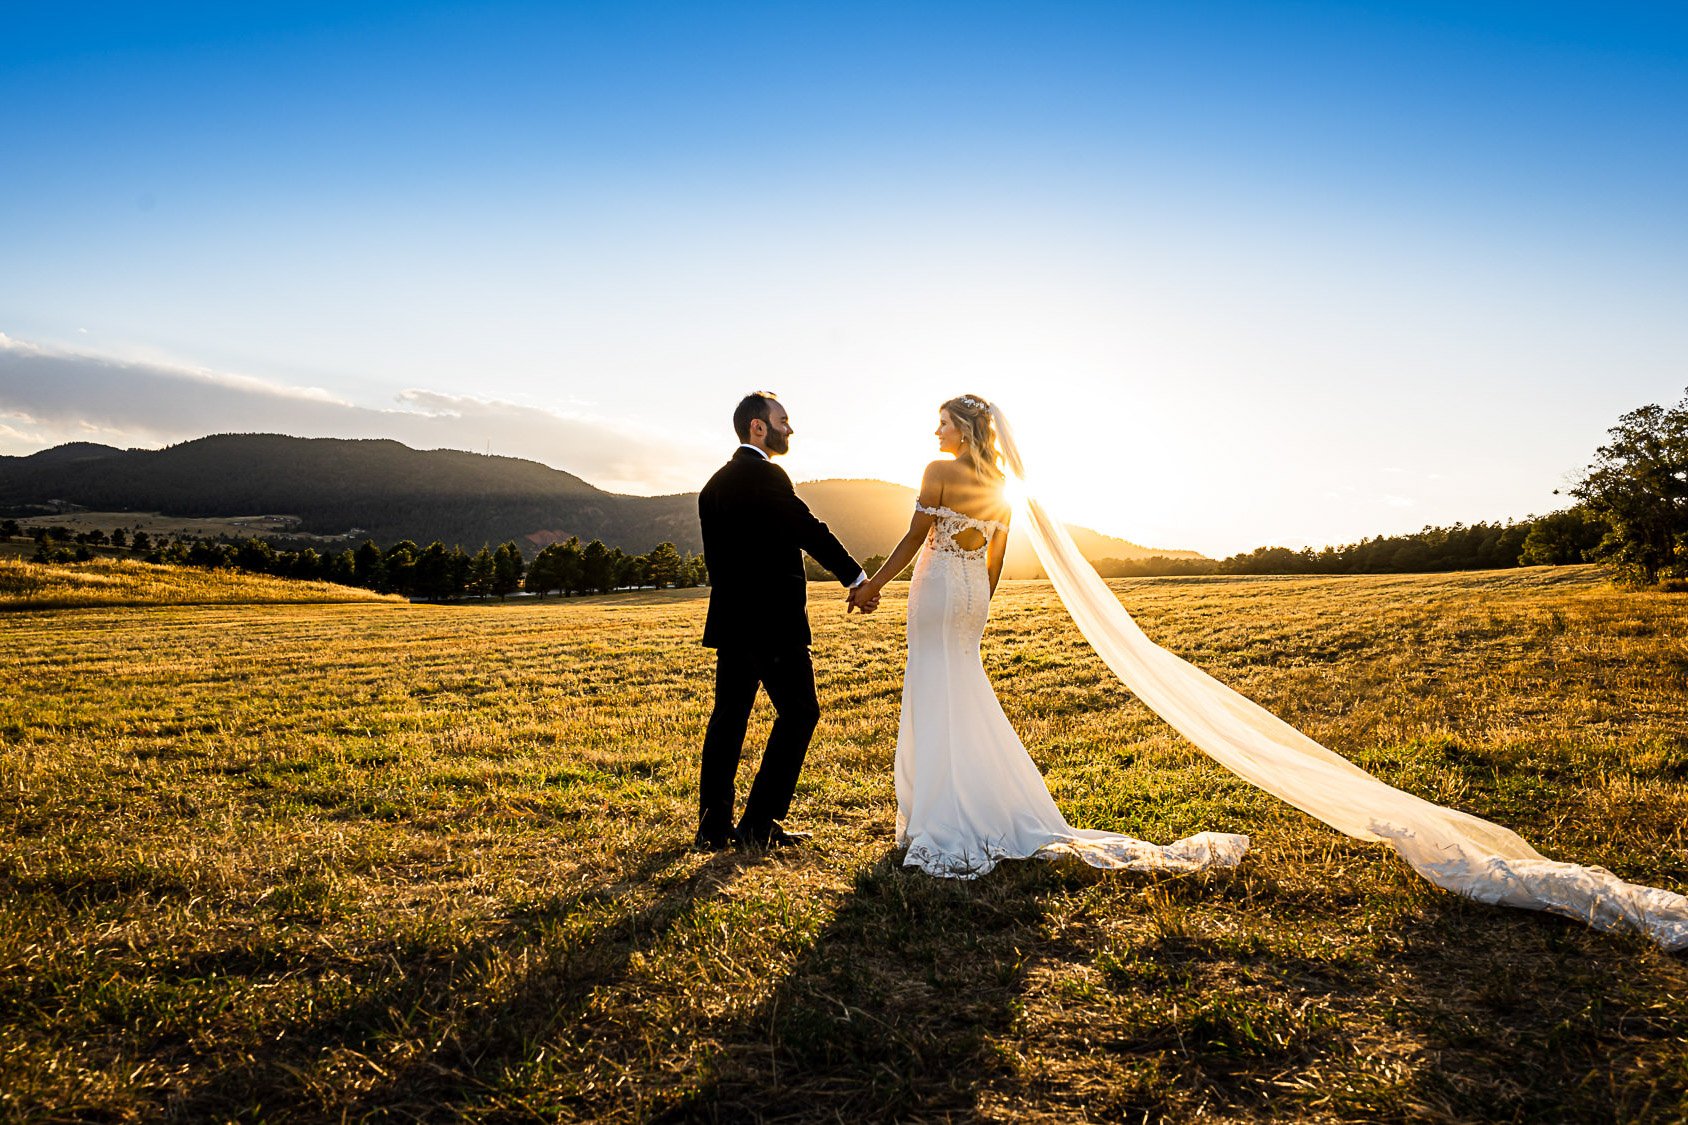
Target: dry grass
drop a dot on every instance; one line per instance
(127, 582)
(314, 862)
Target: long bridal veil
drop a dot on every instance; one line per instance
(1454, 850)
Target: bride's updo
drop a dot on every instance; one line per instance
(972, 416)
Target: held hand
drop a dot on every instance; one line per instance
(864, 598)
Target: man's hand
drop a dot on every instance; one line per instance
(863, 598)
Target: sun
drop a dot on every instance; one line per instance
(1014, 491)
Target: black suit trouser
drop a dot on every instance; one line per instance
(788, 675)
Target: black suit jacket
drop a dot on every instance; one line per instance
(755, 530)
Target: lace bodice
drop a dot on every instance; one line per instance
(949, 523)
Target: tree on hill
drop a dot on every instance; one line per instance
(1478, 546)
(571, 566)
(482, 573)
(256, 555)
(598, 567)
(1155, 565)
(696, 572)
(1638, 484)
(556, 567)
(306, 564)
(507, 569)
(368, 569)
(1561, 538)
(632, 571)
(342, 568)
(541, 576)
(215, 556)
(436, 572)
(398, 564)
(664, 565)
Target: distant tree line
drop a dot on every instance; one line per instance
(434, 572)
(438, 572)
(1557, 539)
(1632, 516)
(1478, 546)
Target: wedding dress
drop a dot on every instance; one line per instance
(968, 794)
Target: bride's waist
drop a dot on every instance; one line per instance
(940, 555)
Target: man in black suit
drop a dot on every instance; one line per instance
(755, 530)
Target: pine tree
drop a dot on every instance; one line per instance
(571, 567)
(542, 572)
(434, 572)
(598, 567)
(507, 569)
(399, 563)
(482, 571)
(369, 570)
(665, 565)
(342, 568)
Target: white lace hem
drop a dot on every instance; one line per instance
(1105, 850)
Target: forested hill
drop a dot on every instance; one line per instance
(387, 491)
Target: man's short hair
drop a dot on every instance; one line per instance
(751, 407)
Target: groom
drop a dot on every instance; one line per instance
(755, 530)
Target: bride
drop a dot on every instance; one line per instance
(968, 795)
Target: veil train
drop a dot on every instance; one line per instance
(1454, 850)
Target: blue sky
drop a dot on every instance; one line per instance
(1243, 273)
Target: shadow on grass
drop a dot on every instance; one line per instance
(892, 1012)
(927, 999)
(1530, 1017)
(923, 998)
(481, 1008)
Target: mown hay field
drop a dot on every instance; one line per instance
(110, 582)
(325, 862)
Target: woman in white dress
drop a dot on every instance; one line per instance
(968, 794)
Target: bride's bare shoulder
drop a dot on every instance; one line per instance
(939, 473)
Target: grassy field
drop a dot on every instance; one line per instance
(325, 862)
(129, 582)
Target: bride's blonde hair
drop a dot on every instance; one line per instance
(972, 416)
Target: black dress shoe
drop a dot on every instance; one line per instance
(718, 841)
(772, 837)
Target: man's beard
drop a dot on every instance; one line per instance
(778, 442)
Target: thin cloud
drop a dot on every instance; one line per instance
(49, 396)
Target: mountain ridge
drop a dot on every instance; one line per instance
(383, 489)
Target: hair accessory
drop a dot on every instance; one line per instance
(972, 403)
